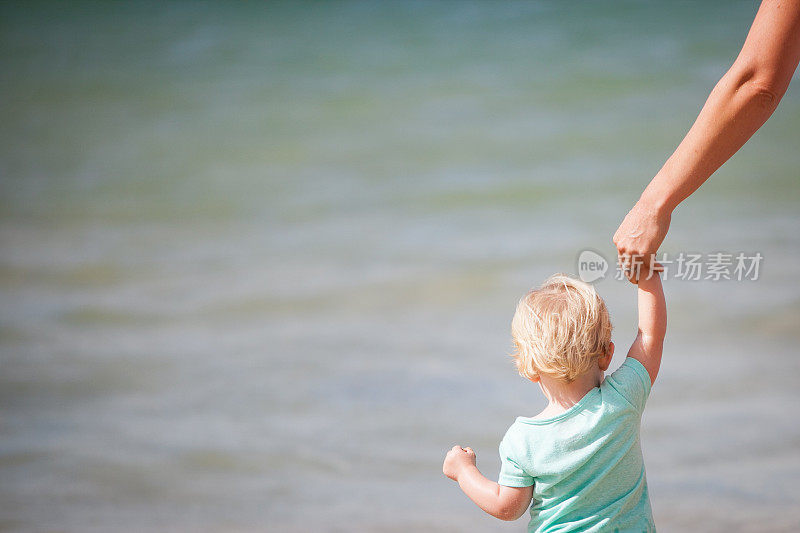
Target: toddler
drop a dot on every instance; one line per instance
(579, 460)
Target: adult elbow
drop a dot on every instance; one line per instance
(764, 94)
(761, 86)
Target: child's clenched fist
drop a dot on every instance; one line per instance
(457, 458)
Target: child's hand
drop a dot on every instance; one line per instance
(456, 460)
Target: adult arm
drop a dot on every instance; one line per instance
(737, 107)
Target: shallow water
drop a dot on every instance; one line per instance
(258, 262)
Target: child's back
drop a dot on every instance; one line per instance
(579, 461)
(585, 464)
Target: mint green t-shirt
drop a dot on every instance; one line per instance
(585, 464)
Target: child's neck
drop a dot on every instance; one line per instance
(562, 395)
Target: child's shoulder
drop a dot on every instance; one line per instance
(631, 371)
(517, 437)
(517, 429)
(523, 431)
(631, 381)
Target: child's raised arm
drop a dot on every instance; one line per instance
(652, 324)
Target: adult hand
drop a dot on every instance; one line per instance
(638, 237)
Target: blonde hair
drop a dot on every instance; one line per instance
(560, 329)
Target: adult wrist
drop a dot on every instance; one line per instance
(656, 201)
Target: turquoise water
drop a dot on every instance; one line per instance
(258, 261)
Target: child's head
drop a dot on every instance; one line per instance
(560, 329)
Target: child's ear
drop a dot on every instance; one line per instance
(605, 361)
(535, 378)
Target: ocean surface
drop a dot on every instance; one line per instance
(258, 261)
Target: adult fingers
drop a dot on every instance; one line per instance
(632, 265)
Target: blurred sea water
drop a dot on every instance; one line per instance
(258, 261)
